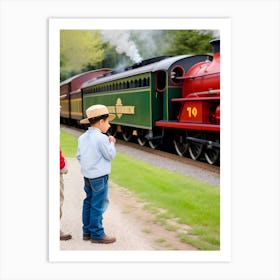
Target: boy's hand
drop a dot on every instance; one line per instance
(112, 139)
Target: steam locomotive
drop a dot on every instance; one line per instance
(163, 100)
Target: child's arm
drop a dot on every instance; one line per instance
(112, 139)
(107, 147)
(78, 156)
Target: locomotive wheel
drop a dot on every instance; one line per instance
(181, 145)
(127, 133)
(195, 150)
(113, 130)
(212, 155)
(154, 143)
(142, 140)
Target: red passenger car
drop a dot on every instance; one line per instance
(71, 97)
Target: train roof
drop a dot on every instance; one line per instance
(82, 74)
(163, 64)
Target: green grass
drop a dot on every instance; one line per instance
(68, 144)
(192, 202)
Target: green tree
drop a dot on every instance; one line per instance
(84, 50)
(150, 43)
(79, 49)
(171, 42)
(188, 41)
(112, 59)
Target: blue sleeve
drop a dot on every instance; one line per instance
(78, 156)
(107, 148)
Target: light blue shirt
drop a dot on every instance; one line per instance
(95, 153)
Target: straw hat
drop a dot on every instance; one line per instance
(94, 112)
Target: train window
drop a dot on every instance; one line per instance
(175, 73)
(145, 82)
(160, 81)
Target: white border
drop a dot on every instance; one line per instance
(222, 24)
(255, 170)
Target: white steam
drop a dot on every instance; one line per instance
(121, 40)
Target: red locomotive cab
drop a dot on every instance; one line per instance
(201, 91)
(203, 79)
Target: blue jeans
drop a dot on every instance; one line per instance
(95, 204)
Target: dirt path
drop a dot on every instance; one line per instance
(126, 218)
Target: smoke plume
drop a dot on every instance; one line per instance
(123, 43)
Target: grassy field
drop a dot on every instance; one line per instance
(68, 144)
(183, 198)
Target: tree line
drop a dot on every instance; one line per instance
(84, 50)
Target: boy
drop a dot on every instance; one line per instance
(95, 152)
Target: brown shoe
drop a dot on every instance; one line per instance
(104, 240)
(86, 236)
(65, 236)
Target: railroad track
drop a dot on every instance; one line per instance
(203, 165)
(164, 154)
